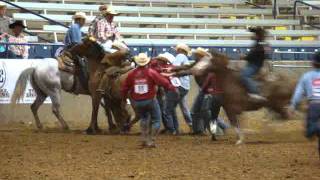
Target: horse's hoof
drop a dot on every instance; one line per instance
(91, 131)
(40, 127)
(213, 137)
(66, 128)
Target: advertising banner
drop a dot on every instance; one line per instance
(10, 70)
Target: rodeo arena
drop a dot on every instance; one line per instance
(159, 89)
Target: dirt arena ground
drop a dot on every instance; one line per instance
(273, 150)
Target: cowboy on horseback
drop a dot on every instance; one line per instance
(255, 60)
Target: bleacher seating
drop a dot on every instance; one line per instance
(142, 10)
(156, 25)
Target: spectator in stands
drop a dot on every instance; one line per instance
(93, 25)
(141, 86)
(106, 30)
(4, 29)
(74, 34)
(255, 60)
(17, 51)
(4, 20)
(183, 51)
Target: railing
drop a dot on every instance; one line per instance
(295, 12)
(36, 14)
(48, 50)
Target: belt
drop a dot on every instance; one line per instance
(317, 101)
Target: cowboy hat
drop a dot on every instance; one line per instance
(79, 15)
(110, 11)
(201, 51)
(183, 47)
(119, 45)
(103, 7)
(3, 5)
(167, 57)
(17, 23)
(142, 59)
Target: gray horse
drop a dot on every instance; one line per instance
(48, 81)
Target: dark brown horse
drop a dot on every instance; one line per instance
(278, 90)
(94, 54)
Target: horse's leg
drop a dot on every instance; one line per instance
(93, 128)
(55, 98)
(235, 123)
(35, 106)
(112, 126)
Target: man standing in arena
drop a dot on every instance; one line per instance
(74, 34)
(141, 86)
(309, 86)
(183, 51)
(106, 29)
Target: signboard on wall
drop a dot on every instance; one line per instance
(10, 70)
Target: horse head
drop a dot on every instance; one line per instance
(214, 63)
(89, 48)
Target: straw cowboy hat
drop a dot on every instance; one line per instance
(183, 47)
(167, 57)
(201, 51)
(142, 59)
(110, 11)
(103, 8)
(79, 15)
(2, 5)
(17, 23)
(119, 45)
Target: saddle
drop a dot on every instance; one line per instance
(77, 67)
(65, 63)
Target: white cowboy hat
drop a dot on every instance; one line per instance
(110, 11)
(201, 51)
(183, 47)
(142, 59)
(167, 57)
(119, 45)
(78, 15)
(3, 4)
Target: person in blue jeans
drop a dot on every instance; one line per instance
(255, 60)
(309, 87)
(140, 86)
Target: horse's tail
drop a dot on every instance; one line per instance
(21, 84)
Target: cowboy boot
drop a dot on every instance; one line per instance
(152, 138)
(144, 133)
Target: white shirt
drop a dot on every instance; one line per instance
(180, 60)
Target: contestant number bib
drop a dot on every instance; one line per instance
(141, 88)
(316, 87)
(175, 81)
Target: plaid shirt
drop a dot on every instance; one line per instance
(106, 31)
(93, 25)
(17, 49)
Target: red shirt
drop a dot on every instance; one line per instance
(141, 83)
(211, 85)
(158, 66)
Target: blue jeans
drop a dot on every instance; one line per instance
(149, 112)
(246, 77)
(313, 120)
(162, 103)
(210, 110)
(197, 120)
(184, 106)
(172, 101)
